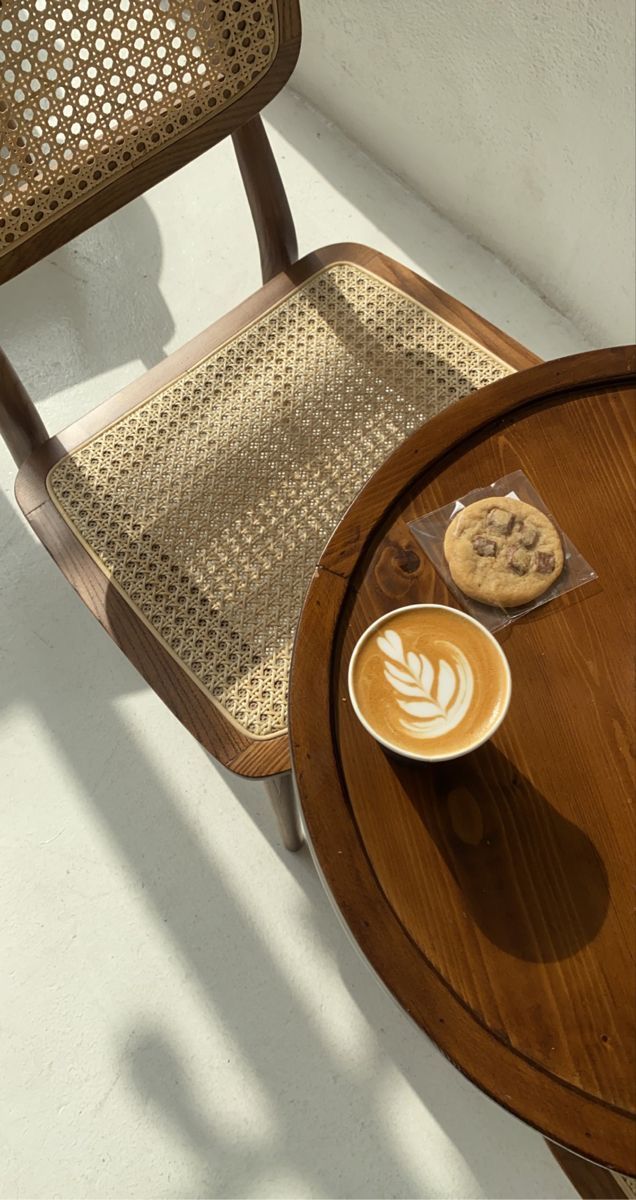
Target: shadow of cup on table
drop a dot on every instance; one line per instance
(533, 881)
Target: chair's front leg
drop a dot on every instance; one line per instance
(280, 789)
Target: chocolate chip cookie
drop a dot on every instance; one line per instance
(503, 551)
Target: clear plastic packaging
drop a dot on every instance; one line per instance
(430, 530)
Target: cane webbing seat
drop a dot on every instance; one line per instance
(208, 504)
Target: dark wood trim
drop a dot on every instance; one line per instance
(591, 1181)
(558, 1109)
(242, 754)
(268, 202)
(21, 425)
(149, 171)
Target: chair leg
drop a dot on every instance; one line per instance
(591, 1181)
(21, 426)
(280, 789)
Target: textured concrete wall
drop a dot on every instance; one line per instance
(514, 117)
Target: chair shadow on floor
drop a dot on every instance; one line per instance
(104, 288)
(70, 675)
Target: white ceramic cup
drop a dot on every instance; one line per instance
(424, 757)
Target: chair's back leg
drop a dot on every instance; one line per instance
(267, 200)
(20, 423)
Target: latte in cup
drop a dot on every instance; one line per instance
(429, 682)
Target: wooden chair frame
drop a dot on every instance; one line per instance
(35, 452)
(20, 423)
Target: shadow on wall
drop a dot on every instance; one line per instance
(72, 680)
(100, 293)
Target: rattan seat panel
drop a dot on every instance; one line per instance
(90, 88)
(209, 504)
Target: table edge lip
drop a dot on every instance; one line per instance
(611, 367)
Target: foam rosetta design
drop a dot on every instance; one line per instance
(439, 696)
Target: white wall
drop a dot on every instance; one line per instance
(515, 118)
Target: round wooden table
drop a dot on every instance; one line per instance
(494, 895)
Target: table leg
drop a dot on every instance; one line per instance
(280, 789)
(591, 1181)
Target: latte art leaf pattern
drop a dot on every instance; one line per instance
(438, 696)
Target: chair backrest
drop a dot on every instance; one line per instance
(101, 99)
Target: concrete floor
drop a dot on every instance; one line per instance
(182, 1014)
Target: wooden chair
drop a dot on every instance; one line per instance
(189, 510)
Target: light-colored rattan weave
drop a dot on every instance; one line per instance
(210, 503)
(89, 88)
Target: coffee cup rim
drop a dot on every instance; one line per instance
(431, 758)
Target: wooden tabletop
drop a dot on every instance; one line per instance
(495, 894)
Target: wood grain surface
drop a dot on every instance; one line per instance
(235, 749)
(494, 895)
